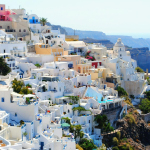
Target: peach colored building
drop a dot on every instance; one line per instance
(84, 68)
(75, 59)
(46, 49)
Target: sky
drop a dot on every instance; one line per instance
(113, 17)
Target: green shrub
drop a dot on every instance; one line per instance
(130, 119)
(118, 135)
(25, 133)
(145, 106)
(87, 144)
(121, 91)
(115, 141)
(115, 148)
(138, 69)
(103, 123)
(38, 65)
(19, 87)
(79, 109)
(29, 85)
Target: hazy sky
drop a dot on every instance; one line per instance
(128, 17)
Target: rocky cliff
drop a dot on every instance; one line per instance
(136, 131)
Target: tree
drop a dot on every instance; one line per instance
(4, 69)
(19, 87)
(87, 144)
(103, 123)
(147, 94)
(138, 69)
(145, 106)
(43, 21)
(121, 91)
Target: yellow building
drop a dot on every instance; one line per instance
(46, 49)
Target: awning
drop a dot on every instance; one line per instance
(65, 125)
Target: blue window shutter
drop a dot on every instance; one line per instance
(2, 100)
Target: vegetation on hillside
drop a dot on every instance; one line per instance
(103, 123)
(130, 119)
(145, 106)
(4, 69)
(121, 91)
(87, 144)
(121, 144)
(145, 103)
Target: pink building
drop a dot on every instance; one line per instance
(4, 14)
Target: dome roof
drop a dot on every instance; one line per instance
(119, 43)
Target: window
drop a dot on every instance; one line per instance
(89, 121)
(24, 30)
(60, 89)
(4, 50)
(120, 49)
(1, 8)
(120, 55)
(8, 27)
(2, 99)
(15, 114)
(0, 27)
(19, 30)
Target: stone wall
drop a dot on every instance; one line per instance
(133, 87)
(146, 117)
(31, 48)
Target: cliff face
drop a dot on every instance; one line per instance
(97, 35)
(106, 43)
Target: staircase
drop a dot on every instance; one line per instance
(84, 92)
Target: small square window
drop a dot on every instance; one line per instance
(19, 30)
(1, 8)
(15, 114)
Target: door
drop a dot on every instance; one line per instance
(42, 145)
